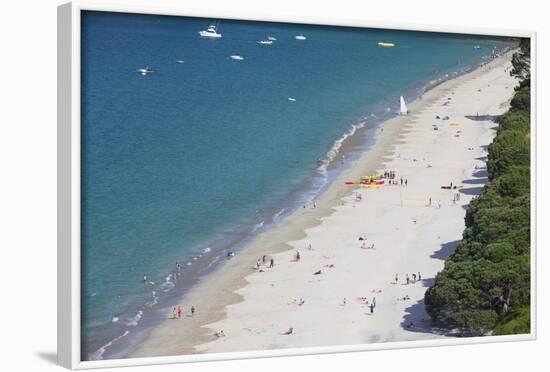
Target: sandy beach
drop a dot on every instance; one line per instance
(405, 230)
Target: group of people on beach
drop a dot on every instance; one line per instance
(177, 312)
(262, 261)
(402, 182)
(391, 176)
(409, 279)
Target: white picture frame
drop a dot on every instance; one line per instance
(69, 255)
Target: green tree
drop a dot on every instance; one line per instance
(521, 63)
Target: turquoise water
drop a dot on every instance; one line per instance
(186, 163)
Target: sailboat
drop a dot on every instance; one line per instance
(211, 31)
(402, 106)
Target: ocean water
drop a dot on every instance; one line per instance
(188, 163)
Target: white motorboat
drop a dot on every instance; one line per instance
(236, 57)
(145, 71)
(291, 99)
(211, 32)
(180, 61)
(271, 38)
(300, 37)
(265, 42)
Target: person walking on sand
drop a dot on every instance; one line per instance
(396, 278)
(407, 279)
(374, 301)
(271, 263)
(179, 312)
(419, 277)
(192, 310)
(406, 182)
(371, 308)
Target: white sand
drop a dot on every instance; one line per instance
(252, 308)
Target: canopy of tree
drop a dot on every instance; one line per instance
(485, 285)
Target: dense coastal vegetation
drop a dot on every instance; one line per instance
(485, 285)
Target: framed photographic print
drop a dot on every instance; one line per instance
(238, 186)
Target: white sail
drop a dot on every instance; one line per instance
(403, 107)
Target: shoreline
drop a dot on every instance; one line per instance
(234, 275)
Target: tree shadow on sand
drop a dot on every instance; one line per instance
(482, 173)
(476, 181)
(446, 250)
(493, 118)
(416, 319)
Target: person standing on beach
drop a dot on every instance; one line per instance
(396, 278)
(419, 277)
(192, 310)
(271, 263)
(406, 182)
(174, 313)
(179, 312)
(407, 279)
(371, 308)
(374, 301)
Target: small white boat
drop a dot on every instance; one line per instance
(265, 42)
(300, 37)
(402, 106)
(271, 38)
(211, 32)
(180, 61)
(236, 57)
(291, 99)
(145, 71)
(477, 47)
